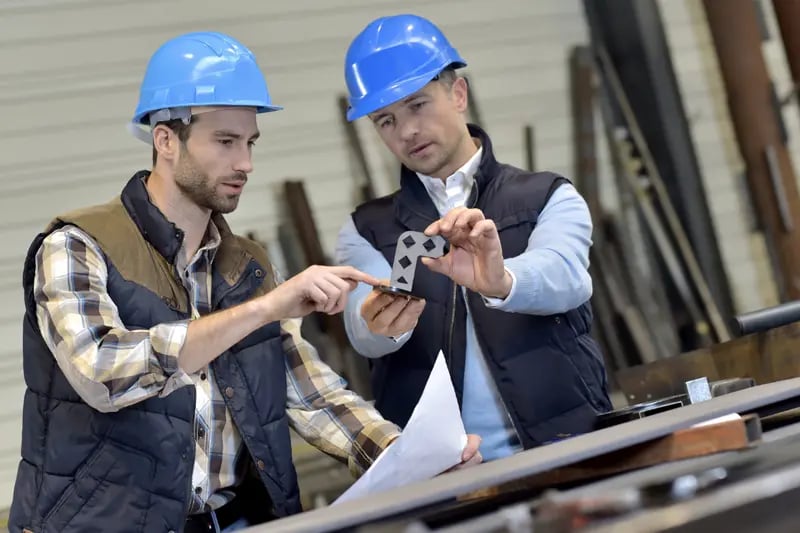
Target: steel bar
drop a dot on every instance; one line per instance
(650, 188)
(529, 146)
(728, 435)
(787, 12)
(352, 365)
(366, 186)
(635, 252)
(584, 162)
(624, 251)
(775, 178)
(586, 180)
(768, 318)
(451, 485)
(781, 486)
(736, 37)
(632, 33)
(525, 516)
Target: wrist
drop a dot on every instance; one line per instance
(264, 308)
(504, 287)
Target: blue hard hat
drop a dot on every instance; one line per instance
(202, 69)
(392, 58)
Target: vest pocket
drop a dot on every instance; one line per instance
(108, 463)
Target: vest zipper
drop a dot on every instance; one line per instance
(449, 356)
(499, 393)
(494, 378)
(191, 455)
(468, 204)
(449, 359)
(192, 451)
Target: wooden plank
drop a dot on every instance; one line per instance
(687, 443)
(766, 357)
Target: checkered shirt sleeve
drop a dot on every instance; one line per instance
(109, 366)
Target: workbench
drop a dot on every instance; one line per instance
(640, 500)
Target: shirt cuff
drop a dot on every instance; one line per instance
(402, 337)
(174, 382)
(371, 443)
(166, 341)
(499, 303)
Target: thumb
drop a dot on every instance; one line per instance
(435, 265)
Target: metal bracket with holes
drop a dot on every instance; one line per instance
(411, 245)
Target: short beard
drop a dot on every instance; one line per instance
(196, 185)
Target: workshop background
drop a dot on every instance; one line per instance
(667, 152)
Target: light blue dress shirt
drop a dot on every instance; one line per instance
(549, 277)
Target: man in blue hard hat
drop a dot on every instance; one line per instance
(508, 304)
(162, 353)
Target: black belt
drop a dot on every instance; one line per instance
(226, 515)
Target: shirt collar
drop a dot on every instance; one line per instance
(208, 247)
(466, 173)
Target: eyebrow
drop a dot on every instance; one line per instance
(234, 135)
(406, 100)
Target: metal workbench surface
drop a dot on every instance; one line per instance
(451, 485)
(774, 473)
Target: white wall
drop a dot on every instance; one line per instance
(69, 75)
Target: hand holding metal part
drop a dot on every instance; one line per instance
(392, 309)
(475, 258)
(411, 246)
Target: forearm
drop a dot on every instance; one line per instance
(545, 284)
(325, 413)
(352, 249)
(363, 340)
(344, 426)
(109, 364)
(210, 336)
(551, 276)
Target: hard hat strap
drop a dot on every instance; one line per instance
(162, 115)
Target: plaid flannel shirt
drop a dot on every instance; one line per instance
(112, 367)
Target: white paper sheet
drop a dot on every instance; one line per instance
(431, 442)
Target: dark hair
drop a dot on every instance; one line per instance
(448, 76)
(180, 129)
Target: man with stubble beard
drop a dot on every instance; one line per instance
(162, 353)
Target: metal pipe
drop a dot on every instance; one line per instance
(769, 318)
(737, 40)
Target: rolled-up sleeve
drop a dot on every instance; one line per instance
(325, 413)
(109, 366)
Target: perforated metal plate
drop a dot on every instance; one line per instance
(411, 245)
